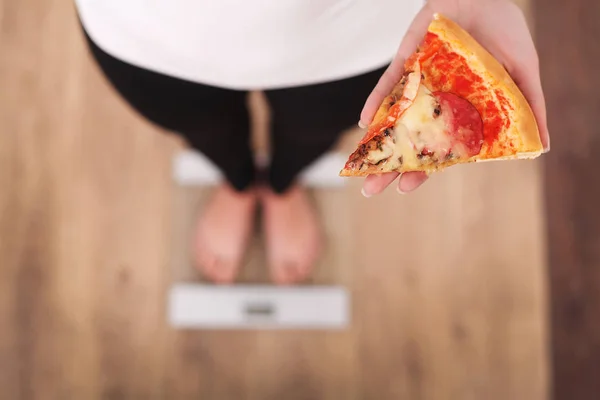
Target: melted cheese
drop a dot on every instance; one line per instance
(413, 82)
(419, 129)
(387, 150)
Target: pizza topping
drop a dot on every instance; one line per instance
(450, 72)
(436, 127)
(409, 87)
(413, 82)
(384, 150)
(465, 124)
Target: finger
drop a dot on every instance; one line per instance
(410, 181)
(527, 77)
(532, 90)
(384, 86)
(393, 73)
(375, 184)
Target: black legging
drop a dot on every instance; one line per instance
(305, 121)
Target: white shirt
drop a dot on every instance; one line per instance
(250, 44)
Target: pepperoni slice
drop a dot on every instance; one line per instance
(465, 124)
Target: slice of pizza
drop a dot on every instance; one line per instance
(454, 104)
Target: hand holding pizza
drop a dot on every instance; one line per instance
(500, 27)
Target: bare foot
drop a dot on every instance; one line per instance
(292, 234)
(222, 233)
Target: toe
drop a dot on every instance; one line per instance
(207, 266)
(201, 261)
(219, 270)
(303, 271)
(291, 272)
(225, 271)
(283, 273)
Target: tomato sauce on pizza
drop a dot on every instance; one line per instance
(450, 72)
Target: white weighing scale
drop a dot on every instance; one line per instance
(195, 305)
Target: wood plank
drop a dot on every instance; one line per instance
(81, 277)
(570, 31)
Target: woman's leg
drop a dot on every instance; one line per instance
(306, 122)
(213, 120)
(216, 122)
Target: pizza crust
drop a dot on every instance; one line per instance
(523, 123)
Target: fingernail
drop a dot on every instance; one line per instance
(361, 125)
(399, 190)
(547, 148)
(364, 193)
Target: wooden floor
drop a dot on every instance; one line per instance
(452, 306)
